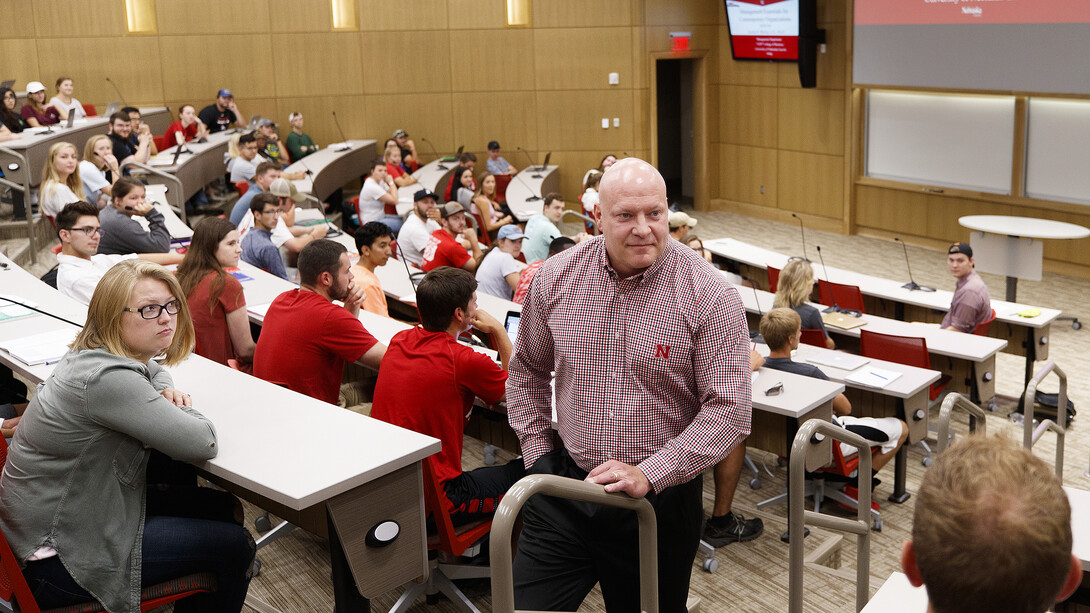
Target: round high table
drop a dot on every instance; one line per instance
(1015, 228)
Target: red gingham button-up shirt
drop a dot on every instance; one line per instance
(652, 370)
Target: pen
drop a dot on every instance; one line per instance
(879, 376)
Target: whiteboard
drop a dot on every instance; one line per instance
(1058, 150)
(963, 142)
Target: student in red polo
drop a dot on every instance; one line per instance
(428, 381)
(305, 338)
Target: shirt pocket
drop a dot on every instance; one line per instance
(129, 461)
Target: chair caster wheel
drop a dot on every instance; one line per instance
(262, 523)
(489, 455)
(1076, 325)
(256, 568)
(755, 484)
(877, 527)
(711, 565)
(926, 461)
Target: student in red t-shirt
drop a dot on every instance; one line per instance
(557, 245)
(305, 338)
(443, 248)
(187, 128)
(216, 302)
(428, 381)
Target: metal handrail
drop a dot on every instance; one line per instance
(180, 207)
(810, 434)
(953, 401)
(503, 587)
(1030, 436)
(585, 218)
(25, 188)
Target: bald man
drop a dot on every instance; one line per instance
(651, 355)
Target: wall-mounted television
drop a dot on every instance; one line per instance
(763, 29)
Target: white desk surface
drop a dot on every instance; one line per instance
(911, 381)
(156, 193)
(940, 342)
(396, 285)
(1080, 524)
(1026, 227)
(898, 596)
(878, 287)
(328, 452)
(800, 394)
(318, 160)
(30, 136)
(526, 184)
(164, 159)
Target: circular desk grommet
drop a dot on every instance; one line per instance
(383, 533)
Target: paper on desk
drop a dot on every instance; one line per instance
(838, 359)
(877, 378)
(258, 309)
(44, 348)
(14, 311)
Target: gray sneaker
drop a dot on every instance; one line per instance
(732, 528)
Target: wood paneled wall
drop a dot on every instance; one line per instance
(445, 70)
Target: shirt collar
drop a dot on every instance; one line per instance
(647, 275)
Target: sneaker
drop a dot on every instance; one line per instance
(732, 528)
(853, 492)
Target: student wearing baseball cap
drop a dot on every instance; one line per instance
(36, 113)
(972, 304)
(499, 271)
(219, 116)
(444, 248)
(680, 224)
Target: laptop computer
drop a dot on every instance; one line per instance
(71, 119)
(842, 321)
(112, 108)
(545, 164)
(10, 83)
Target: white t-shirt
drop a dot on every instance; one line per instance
(371, 208)
(77, 277)
(413, 237)
(54, 196)
(75, 106)
(590, 198)
(93, 182)
(493, 271)
(241, 170)
(280, 234)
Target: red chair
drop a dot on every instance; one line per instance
(89, 109)
(449, 541)
(812, 337)
(14, 586)
(56, 248)
(981, 328)
(773, 279)
(482, 234)
(501, 187)
(844, 296)
(908, 350)
(161, 142)
(242, 187)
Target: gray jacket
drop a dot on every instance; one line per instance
(75, 474)
(122, 234)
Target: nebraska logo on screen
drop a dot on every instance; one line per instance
(764, 29)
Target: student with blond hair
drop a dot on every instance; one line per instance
(793, 291)
(61, 183)
(991, 532)
(99, 170)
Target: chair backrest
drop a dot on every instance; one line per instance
(908, 350)
(844, 296)
(160, 141)
(12, 582)
(773, 279)
(450, 540)
(981, 328)
(482, 234)
(812, 337)
(242, 187)
(89, 109)
(50, 278)
(502, 181)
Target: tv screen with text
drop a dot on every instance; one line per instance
(764, 29)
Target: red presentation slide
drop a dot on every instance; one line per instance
(764, 29)
(905, 12)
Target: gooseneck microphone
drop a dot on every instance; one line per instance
(802, 231)
(911, 285)
(37, 310)
(414, 281)
(532, 163)
(435, 151)
(344, 139)
(118, 91)
(834, 308)
(755, 335)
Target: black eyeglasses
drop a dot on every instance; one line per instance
(91, 230)
(153, 311)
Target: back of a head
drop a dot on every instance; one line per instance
(991, 530)
(322, 255)
(559, 244)
(795, 285)
(440, 292)
(778, 325)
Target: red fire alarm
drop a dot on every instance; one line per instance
(680, 40)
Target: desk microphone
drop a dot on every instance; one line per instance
(911, 285)
(755, 335)
(532, 164)
(306, 169)
(412, 281)
(834, 308)
(344, 139)
(534, 197)
(37, 310)
(802, 231)
(440, 165)
(118, 91)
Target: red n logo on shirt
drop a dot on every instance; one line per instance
(662, 351)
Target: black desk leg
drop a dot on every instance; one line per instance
(1031, 359)
(792, 429)
(900, 468)
(347, 597)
